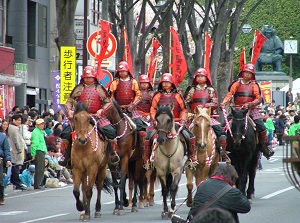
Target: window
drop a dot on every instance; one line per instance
(96, 6)
(42, 25)
(31, 31)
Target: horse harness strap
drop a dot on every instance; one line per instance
(170, 155)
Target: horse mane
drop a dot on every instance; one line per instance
(239, 113)
(165, 110)
(80, 107)
(117, 106)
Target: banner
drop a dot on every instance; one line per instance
(207, 52)
(67, 72)
(153, 61)
(258, 43)
(266, 91)
(242, 59)
(127, 54)
(178, 65)
(104, 27)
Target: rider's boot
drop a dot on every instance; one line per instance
(223, 144)
(114, 157)
(66, 162)
(264, 147)
(192, 153)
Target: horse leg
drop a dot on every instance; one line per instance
(99, 183)
(189, 177)
(92, 173)
(173, 191)
(252, 174)
(134, 199)
(151, 187)
(130, 187)
(165, 193)
(77, 177)
(116, 187)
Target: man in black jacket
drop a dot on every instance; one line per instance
(233, 200)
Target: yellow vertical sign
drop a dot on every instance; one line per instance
(67, 72)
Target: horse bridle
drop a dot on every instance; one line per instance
(245, 124)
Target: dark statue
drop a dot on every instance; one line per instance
(272, 50)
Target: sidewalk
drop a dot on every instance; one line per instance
(9, 190)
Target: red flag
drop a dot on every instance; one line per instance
(152, 70)
(127, 54)
(242, 59)
(179, 66)
(153, 61)
(104, 34)
(207, 52)
(259, 42)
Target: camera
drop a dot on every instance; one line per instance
(178, 219)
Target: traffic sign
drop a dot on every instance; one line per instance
(93, 45)
(106, 78)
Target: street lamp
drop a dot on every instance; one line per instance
(246, 28)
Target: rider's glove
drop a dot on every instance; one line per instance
(182, 122)
(100, 113)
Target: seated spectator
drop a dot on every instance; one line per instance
(27, 176)
(48, 126)
(49, 172)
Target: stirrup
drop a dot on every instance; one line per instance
(268, 152)
(147, 165)
(190, 164)
(112, 157)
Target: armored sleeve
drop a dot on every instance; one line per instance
(231, 93)
(136, 89)
(113, 88)
(73, 96)
(154, 103)
(106, 101)
(256, 93)
(184, 111)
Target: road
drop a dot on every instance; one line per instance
(276, 201)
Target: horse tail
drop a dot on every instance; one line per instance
(107, 186)
(169, 183)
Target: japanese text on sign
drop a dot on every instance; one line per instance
(67, 72)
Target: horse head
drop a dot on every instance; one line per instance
(81, 123)
(238, 126)
(164, 122)
(202, 126)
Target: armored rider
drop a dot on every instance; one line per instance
(147, 93)
(246, 93)
(94, 95)
(125, 90)
(167, 93)
(202, 93)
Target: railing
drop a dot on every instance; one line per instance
(291, 160)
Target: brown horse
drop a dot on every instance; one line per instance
(168, 157)
(131, 162)
(89, 161)
(207, 154)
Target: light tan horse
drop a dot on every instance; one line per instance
(168, 157)
(207, 154)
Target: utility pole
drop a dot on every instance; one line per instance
(85, 30)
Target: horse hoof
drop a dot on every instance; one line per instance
(134, 209)
(121, 212)
(171, 213)
(82, 215)
(165, 216)
(130, 204)
(151, 202)
(189, 203)
(79, 206)
(98, 214)
(141, 205)
(116, 212)
(250, 201)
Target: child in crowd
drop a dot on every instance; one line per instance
(27, 176)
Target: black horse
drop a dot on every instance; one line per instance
(243, 150)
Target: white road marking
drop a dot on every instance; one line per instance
(49, 217)
(277, 192)
(11, 212)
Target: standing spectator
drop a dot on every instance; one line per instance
(17, 150)
(48, 126)
(38, 151)
(26, 135)
(233, 201)
(289, 96)
(295, 128)
(270, 128)
(295, 106)
(5, 159)
(281, 126)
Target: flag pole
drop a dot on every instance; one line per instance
(253, 44)
(170, 51)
